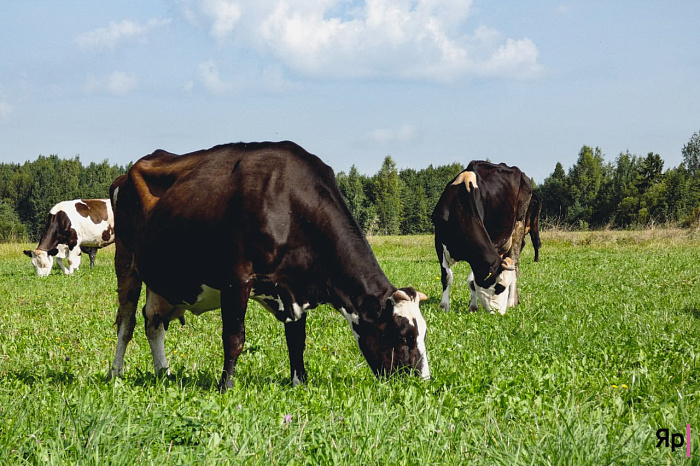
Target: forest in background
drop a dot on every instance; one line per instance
(630, 192)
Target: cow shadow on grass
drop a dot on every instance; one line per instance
(31, 376)
(693, 311)
(202, 379)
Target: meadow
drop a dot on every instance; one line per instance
(600, 354)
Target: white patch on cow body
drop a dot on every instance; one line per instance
(89, 233)
(299, 310)
(353, 320)
(264, 300)
(468, 178)
(208, 300)
(410, 310)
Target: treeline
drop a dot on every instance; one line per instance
(631, 191)
(28, 191)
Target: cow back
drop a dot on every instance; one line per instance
(269, 212)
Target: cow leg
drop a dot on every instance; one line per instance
(512, 293)
(91, 252)
(473, 304)
(295, 333)
(234, 302)
(64, 269)
(153, 312)
(517, 241)
(73, 260)
(446, 277)
(129, 290)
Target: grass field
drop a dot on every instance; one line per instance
(602, 352)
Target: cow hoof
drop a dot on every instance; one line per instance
(162, 373)
(298, 380)
(225, 384)
(113, 374)
(445, 306)
(473, 308)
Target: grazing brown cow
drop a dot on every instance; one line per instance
(71, 227)
(277, 230)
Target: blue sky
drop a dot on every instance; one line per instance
(425, 81)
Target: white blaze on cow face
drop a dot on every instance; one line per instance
(497, 296)
(42, 261)
(404, 309)
(410, 310)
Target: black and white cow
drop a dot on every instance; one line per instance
(72, 227)
(480, 218)
(278, 231)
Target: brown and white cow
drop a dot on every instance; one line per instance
(72, 227)
(278, 231)
(480, 218)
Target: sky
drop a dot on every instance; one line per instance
(427, 82)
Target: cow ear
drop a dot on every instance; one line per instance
(370, 310)
(407, 294)
(401, 295)
(27, 252)
(52, 252)
(507, 264)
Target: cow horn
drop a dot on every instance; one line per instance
(422, 296)
(508, 264)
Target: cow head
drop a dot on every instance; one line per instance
(42, 260)
(495, 296)
(395, 340)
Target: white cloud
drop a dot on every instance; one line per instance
(117, 83)
(387, 136)
(115, 33)
(5, 111)
(224, 15)
(208, 74)
(413, 39)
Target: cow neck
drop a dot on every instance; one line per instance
(359, 275)
(49, 238)
(485, 257)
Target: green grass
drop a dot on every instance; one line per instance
(601, 353)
